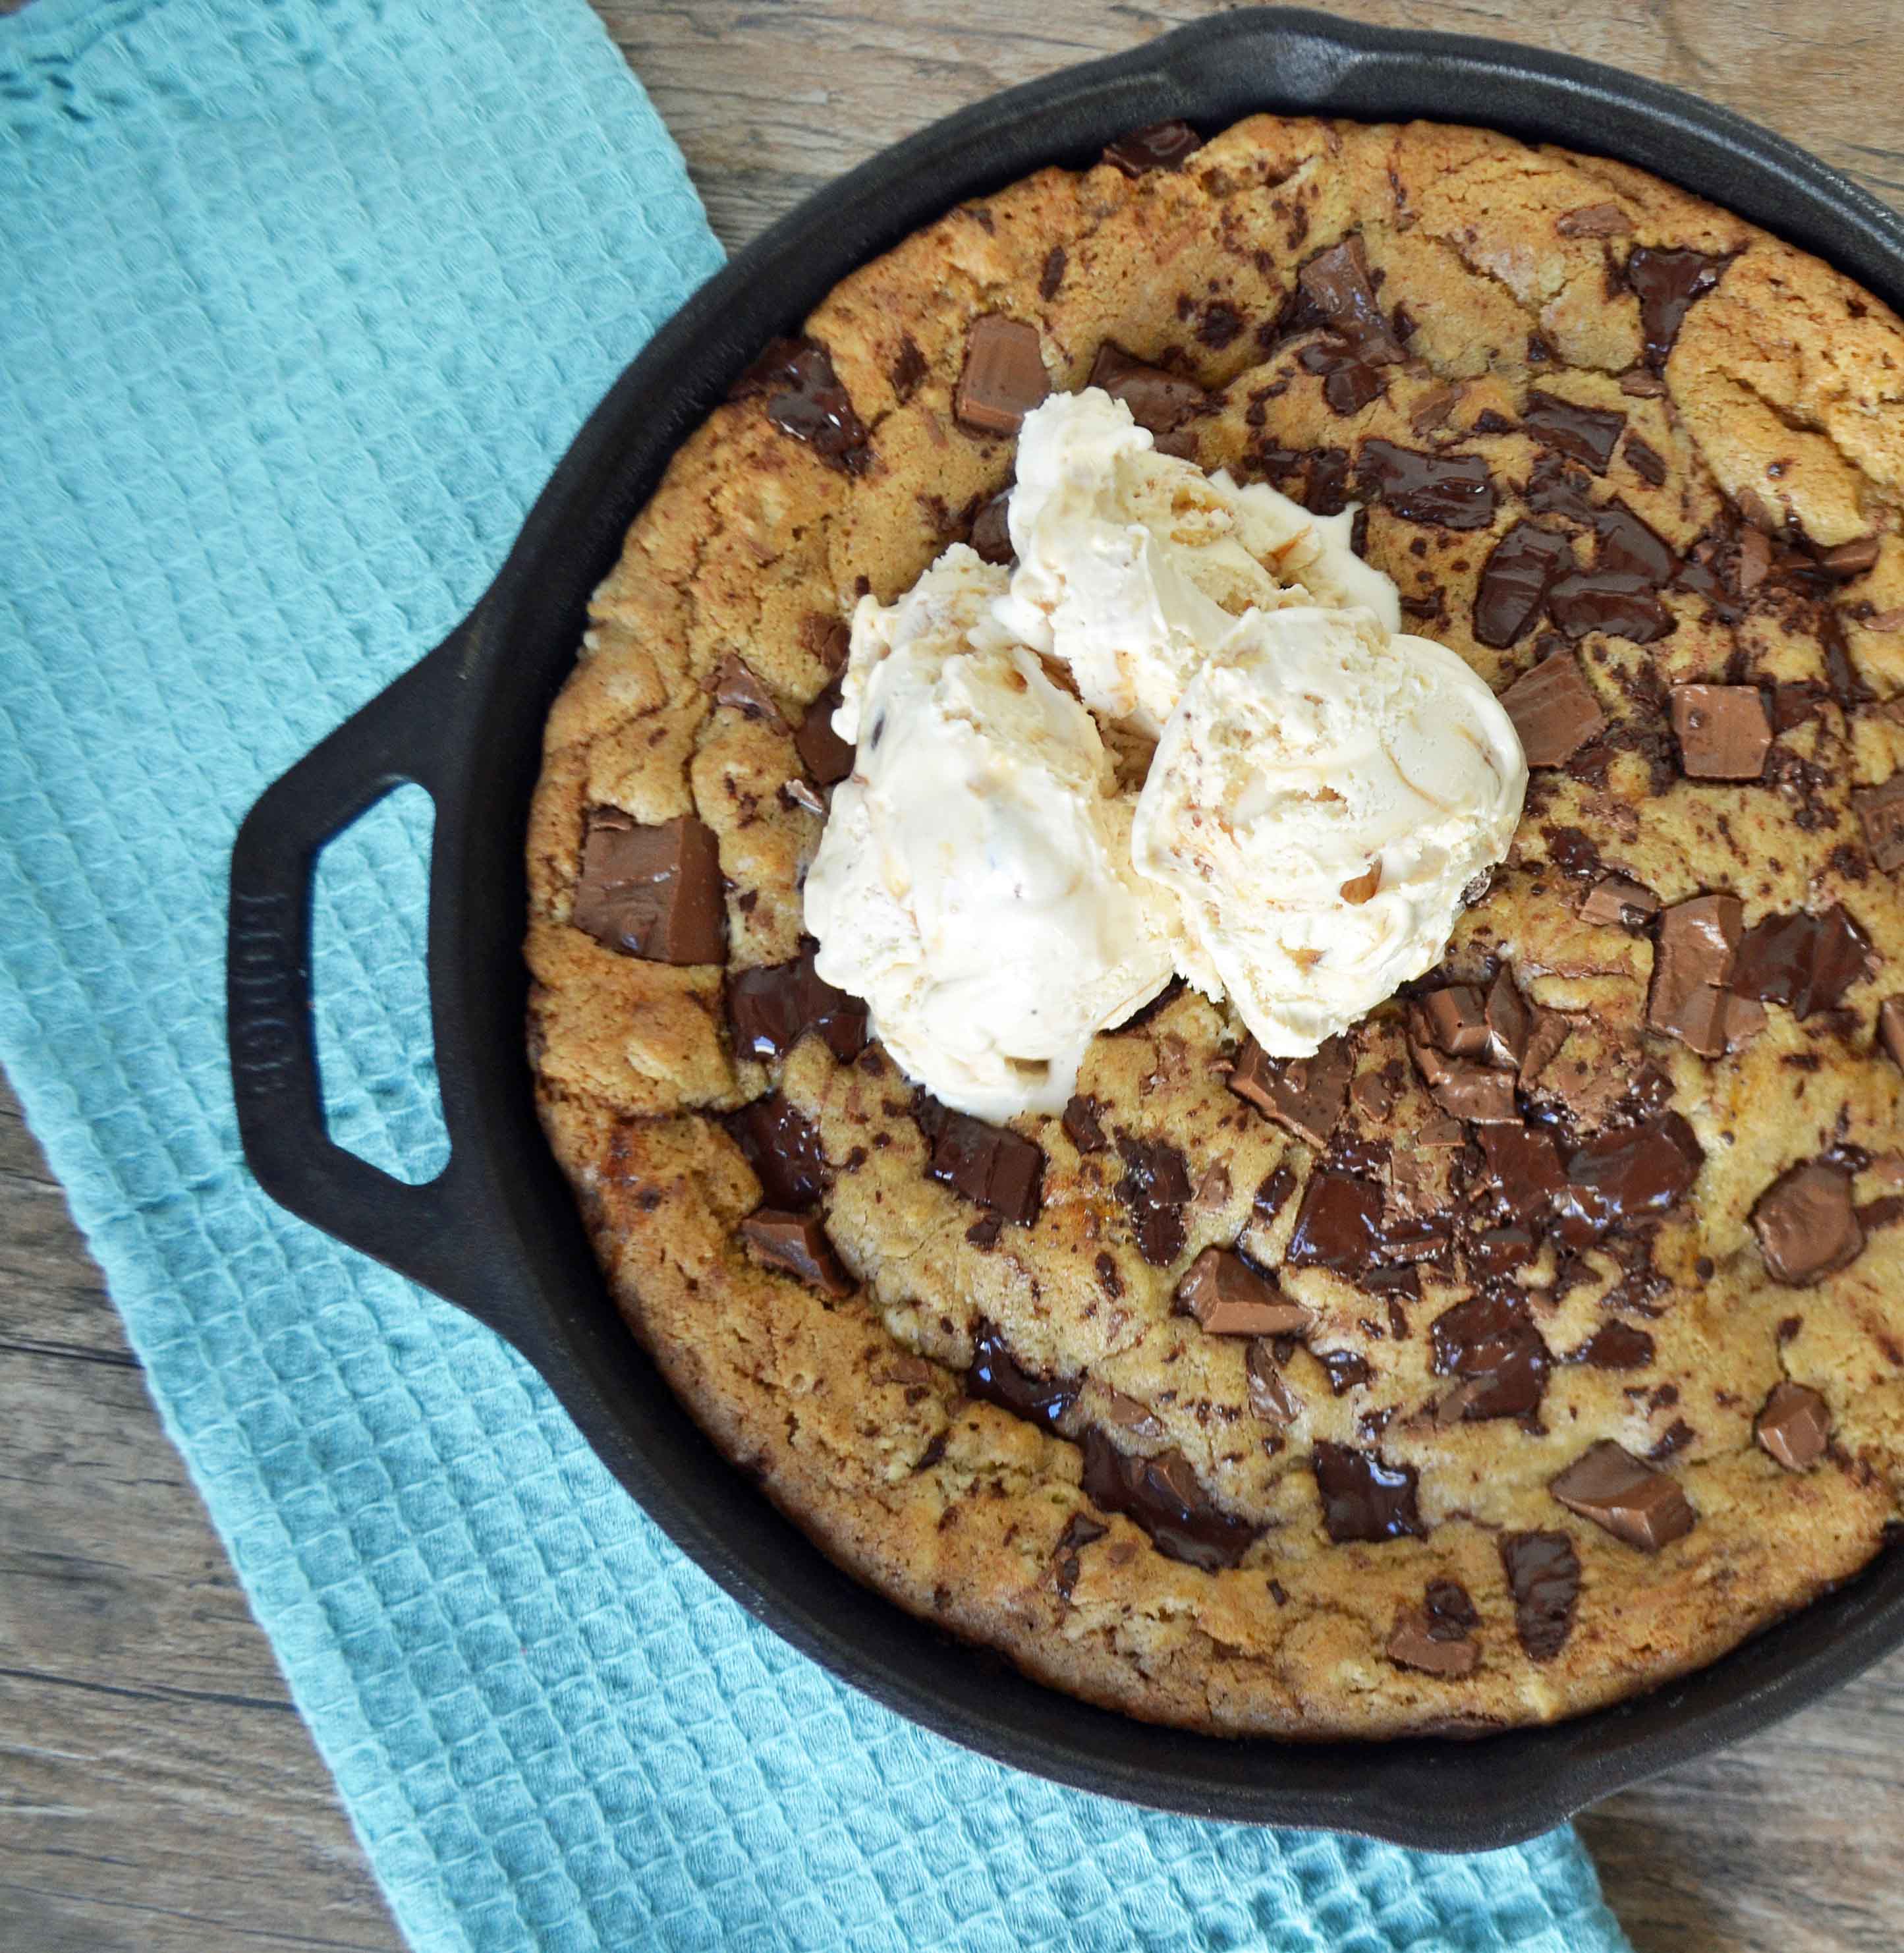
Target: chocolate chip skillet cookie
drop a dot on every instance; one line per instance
(1461, 1332)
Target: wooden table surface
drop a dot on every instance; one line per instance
(157, 1790)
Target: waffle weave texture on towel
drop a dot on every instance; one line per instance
(302, 299)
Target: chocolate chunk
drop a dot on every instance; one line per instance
(1338, 1225)
(804, 399)
(1490, 1340)
(1510, 1024)
(1794, 1426)
(1497, 1252)
(1230, 1298)
(1450, 491)
(908, 370)
(769, 1008)
(992, 530)
(1617, 604)
(1081, 1125)
(1805, 962)
(1724, 733)
(1543, 1574)
(1457, 1020)
(783, 1146)
(826, 756)
(827, 638)
(1052, 276)
(1520, 570)
(1606, 1483)
(1890, 1028)
(1646, 462)
(1807, 1224)
(1004, 376)
(734, 685)
(1465, 1089)
(1616, 1346)
(1270, 1398)
(1350, 382)
(1080, 1531)
(1162, 1495)
(1593, 220)
(795, 1244)
(1273, 1194)
(1666, 283)
(1545, 1041)
(1642, 386)
(1344, 1369)
(1525, 1166)
(1451, 1611)
(653, 892)
(1553, 710)
(1618, 899)
(1364, 1499)
(1413, 1644)
(1336, 283)
(1156, 1188)
(1164, 146)
(1585, 434)
(1159, 401)
(1880, 812)
(1690, 999)
(987, 1164)
(1626, 1175)
(1305, 1094)
(1128, 1414)
(997, 1377)
(1434, 408)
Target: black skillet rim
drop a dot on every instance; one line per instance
(498, 1233)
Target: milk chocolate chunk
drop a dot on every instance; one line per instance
(1553, 710)
(1543, 1575)
(1690, 999)
(1449, 491)
(1413, 1644)
(1230, 1298)
(735, 685)
(1616, 1346)
(1363, 1498)
(1794, 1426)
(988, 1165)
(826, 756)
(1880, 812)
(1270, 1397)
(1307, 1094)
(1520, 570)
(783, 1146)
(1618, 899)
(1666, 283)
(1890, 1028)
(1627, 1175)
(1510, 1023)
(770, 1007)
(1004, 375)
(1645, 462)
(1843, 561)
(1336, 283)
(1724, 730)
(1080, 1531)
(1081, 1124)
(1163, 1495)
(1490, 1343)
(1525, 1166)
(1586, 435)
(1160, 401)
(1805, 962)
(1594, 220)
(1156, 1188)
(1456, 1020)
(1128, 1414)
(1465, 1089)
(992, 530)
(1629, 1498)
(998, 1376)
(653, 892)
(1338, 1225)
(1164, 146)
(1808, 1225)
(804, 396)
(796, 1244)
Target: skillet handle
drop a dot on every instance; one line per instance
(401, 736)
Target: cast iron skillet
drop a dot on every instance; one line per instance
(497, 1232)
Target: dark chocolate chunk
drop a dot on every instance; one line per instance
(1052, 276)
(1690, 999)
(804, 396)
(1880, 812)
(1350, 380)
(826, 756)
(827, 638)
(783, 1146)
(795, 1244)
(1450, 491)
(1520, 570)
(1805, 962)
(1164, 146)
(1543, 1574)
(1594, 220)
(734, 685)
(1081, 1125)
(1490, 1341)
(996, 1376)
(1159, 401)
(1305, 1094)
(1451, 1613)
(1666, 283)
(1844, 561)
(770, 1007)
(1456, 1020)
(1344, 1369)
(1004, 376)
(1496, 1252)
(1626, 1175)
(908, 370)
(1553, 710)
(1338, 1225)
(1616, 1346)
(1080, 1531)
(1618, 899)
(1156, 1188)
(1162, 1495)
(1616, 602)
(1364, 1499)
(991, 529)
(1586, 435)
(1269, 1396)
(1336, 283)
(1230, 1298)
(1525, 1166)
(1645, 462)
(989, 1165)
(1415, 1644)
(1794, 1426)
(653, 892)
(1724, 733)
(1890, 1028)
(1807, 1224)
(1273, 1194)
(1631, 1500)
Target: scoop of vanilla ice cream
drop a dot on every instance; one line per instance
(974, 883)
(1319, 800)
(1132, 565)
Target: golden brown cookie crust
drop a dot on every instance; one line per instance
(1782, 394)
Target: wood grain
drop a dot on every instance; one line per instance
(158, 1791)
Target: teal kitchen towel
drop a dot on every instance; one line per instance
(299, 302)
